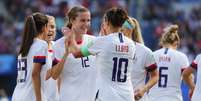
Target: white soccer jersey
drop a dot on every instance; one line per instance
(114, 58)
(78, 78)
(51, 89)
(196, 64)
(170, 64)
(24, 89)
(144, 62)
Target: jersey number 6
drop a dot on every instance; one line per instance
(162, 77)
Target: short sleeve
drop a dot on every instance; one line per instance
(40, 55)
(150, 63)
(95, 46)
(184, 62)
(58, 52)
(195, 62)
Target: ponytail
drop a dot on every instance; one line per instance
(32, 28)
(170, 35)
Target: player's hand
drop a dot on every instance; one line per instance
(66, 31)
(102, 31)
(139, 93)
(48, 74)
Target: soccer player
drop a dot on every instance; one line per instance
(144, 61)
(170, 64)
(78, 75)
(51, 90)
(114, 58)
(194, 88)
(32, 59)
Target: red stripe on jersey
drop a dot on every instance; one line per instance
(151, 67)
(182, 69)
(55, 61)
(79, 42)
(194, 65)
(50, 50)
(39, 57)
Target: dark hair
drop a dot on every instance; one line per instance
(32, 28)
(170, 35)
(73, 13)
(116, 16)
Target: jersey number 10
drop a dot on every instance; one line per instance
(119, 65)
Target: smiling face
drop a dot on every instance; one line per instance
(82, 22)
(52, 29)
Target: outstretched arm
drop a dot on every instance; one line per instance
(152, 81)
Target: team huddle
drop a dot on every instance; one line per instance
(113, 66)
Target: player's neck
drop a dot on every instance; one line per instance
(41, 36)
(113, 30)
(78, 37)
(170, 46)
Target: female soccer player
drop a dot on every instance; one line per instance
(78, 75)
(114, 55)
(170, 64)
(51, 90)
(32, 63)
(144, 61)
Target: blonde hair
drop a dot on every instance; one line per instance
(50, 17)
(136, 34)
(170, 35)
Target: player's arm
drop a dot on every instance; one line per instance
(58, 68)
(151, 68)
(188, 78)
(36, 80)
(187, 73)
(152, 81)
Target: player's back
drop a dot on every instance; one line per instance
(24, 89)
(170, 63)
(114, 63)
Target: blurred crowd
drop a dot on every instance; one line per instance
(153, 16)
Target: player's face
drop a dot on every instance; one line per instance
(45, 32)
(127, 32)
(105, 26)
(82, 22)
(52, 30)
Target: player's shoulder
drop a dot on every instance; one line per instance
(198, 57)
(39, 44)
(142, 48)
(60, 41)
(180, 54)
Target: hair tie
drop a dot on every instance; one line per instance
(126, 24)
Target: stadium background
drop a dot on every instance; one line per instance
(153, 15)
